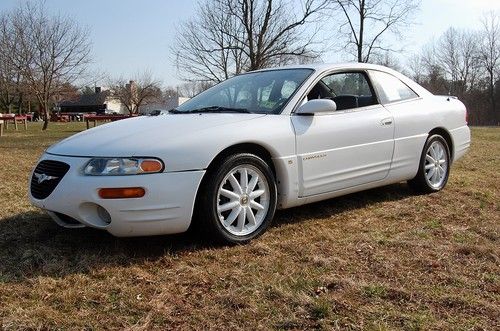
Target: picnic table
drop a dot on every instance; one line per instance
(6, 118)
(95, 118)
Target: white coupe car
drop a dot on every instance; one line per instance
(228, 158)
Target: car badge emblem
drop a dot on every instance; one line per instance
(43, 177)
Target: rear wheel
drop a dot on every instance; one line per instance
(238, 200)
(434, 167)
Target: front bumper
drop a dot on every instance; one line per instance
(166, 208)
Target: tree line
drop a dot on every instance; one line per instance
(41, 56)
(465, 63)
(44, 57)
(228, 37)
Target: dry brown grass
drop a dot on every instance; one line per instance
(379, 260)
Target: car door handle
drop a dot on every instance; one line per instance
(386, 121)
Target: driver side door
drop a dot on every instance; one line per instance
(346, 148)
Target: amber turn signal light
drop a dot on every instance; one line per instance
(151, 165)
(121, 193)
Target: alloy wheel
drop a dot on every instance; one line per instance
(243, 200)
(436, 164)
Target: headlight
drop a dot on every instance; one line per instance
(122, 166)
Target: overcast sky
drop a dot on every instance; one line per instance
(129, 36)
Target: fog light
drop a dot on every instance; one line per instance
(103, 215)
(122, 193)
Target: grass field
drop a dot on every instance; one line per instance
(383, 259)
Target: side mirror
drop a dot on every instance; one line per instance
(317, 106)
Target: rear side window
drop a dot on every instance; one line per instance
(390, 88)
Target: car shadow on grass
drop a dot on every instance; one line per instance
(32, 245)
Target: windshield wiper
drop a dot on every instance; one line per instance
(211, 109)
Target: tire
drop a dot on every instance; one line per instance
(433, 173)
(229, 209)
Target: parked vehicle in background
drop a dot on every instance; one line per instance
(158, 112)
(229, 157)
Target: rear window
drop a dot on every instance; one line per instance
(390, 88)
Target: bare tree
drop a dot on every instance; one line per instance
(204, 48)
(426, 69)
(490, 58)
(416, 65)
(191, 89)
(48, 51)
(12, 87)
(133, 94)
(458, 55)
(387, 59)
(170, 92)
(365, 23)
(228, 37)
(454, 64)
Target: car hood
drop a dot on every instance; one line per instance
(134, 136)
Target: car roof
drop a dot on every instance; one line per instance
(330, 66)
(322, 67)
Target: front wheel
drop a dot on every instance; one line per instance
(238, 200)
(434, 167)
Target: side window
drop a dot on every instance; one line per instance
(349, 90)
(390, 88)
(348, 84)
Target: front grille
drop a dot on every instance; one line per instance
(46, 176)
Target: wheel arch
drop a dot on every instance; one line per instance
(247, 147)
(447, 136)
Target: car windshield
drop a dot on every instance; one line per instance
(265, 92)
